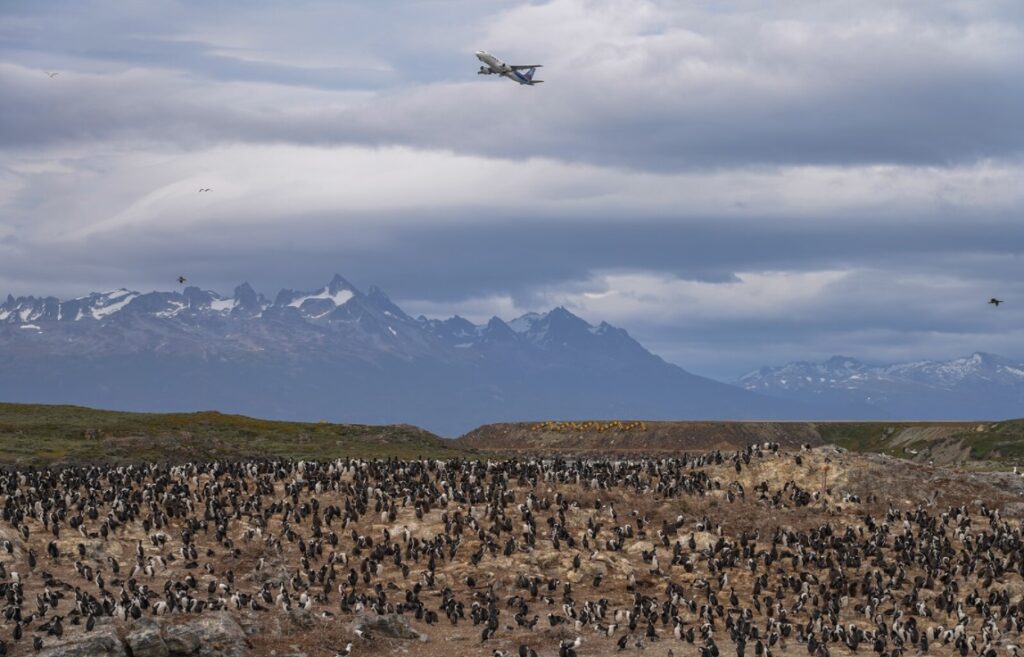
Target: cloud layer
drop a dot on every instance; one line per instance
(736, 183)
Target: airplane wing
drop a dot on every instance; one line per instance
(521, 67)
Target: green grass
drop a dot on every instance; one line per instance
(35, 434)
(862, 436)
(998, 442)
(1004, 442)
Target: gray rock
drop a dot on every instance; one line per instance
(393, 626)
(98, 643)
(212, 635)
(145, 640)
(302, 618)
(250, 625)
(181, 640)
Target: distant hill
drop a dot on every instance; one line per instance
(343, 355)
(981, 445)
(976, 387)
(41, 434)
(593, 437)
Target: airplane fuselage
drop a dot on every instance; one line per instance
(494, 66)
(492, 62)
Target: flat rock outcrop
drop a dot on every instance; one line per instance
(102, 642)
(214, 634)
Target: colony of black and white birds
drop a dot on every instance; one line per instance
(747, 553)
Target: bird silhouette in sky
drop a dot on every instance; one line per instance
(995, 302)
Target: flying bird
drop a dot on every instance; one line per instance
(52, 74)
(181, 280)
(995, 302)
(205, 189)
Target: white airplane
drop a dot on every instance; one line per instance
(494, 66)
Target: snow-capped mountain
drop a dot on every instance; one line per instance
(979, 386)
(341, 354)
(101, 305)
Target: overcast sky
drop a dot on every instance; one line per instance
(736, 183)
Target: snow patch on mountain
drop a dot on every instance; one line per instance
(339, 298)
(525, 322)
(175, 308)
(114, 302)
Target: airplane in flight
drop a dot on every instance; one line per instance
(521, 73)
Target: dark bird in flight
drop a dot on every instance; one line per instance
(52, 74)
(995, 302)
(181, 280)
(205, 189)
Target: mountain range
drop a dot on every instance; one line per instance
(979, 386)
(340, 354)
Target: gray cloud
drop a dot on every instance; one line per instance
(924, 84)
(864, 161)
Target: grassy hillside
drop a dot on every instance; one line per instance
(40, 434)
(34, 434)
(942, 442)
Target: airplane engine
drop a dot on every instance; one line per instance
(484, 71)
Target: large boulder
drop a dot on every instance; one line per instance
(211, 635)
(101, 642)
(181, 639)
(392, 626)
(144, 640)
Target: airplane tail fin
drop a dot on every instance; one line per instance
(529, 73)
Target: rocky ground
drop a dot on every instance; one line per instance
(970, 445)
(654, 438)
(250, 532)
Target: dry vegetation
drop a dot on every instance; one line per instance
(633, 437)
